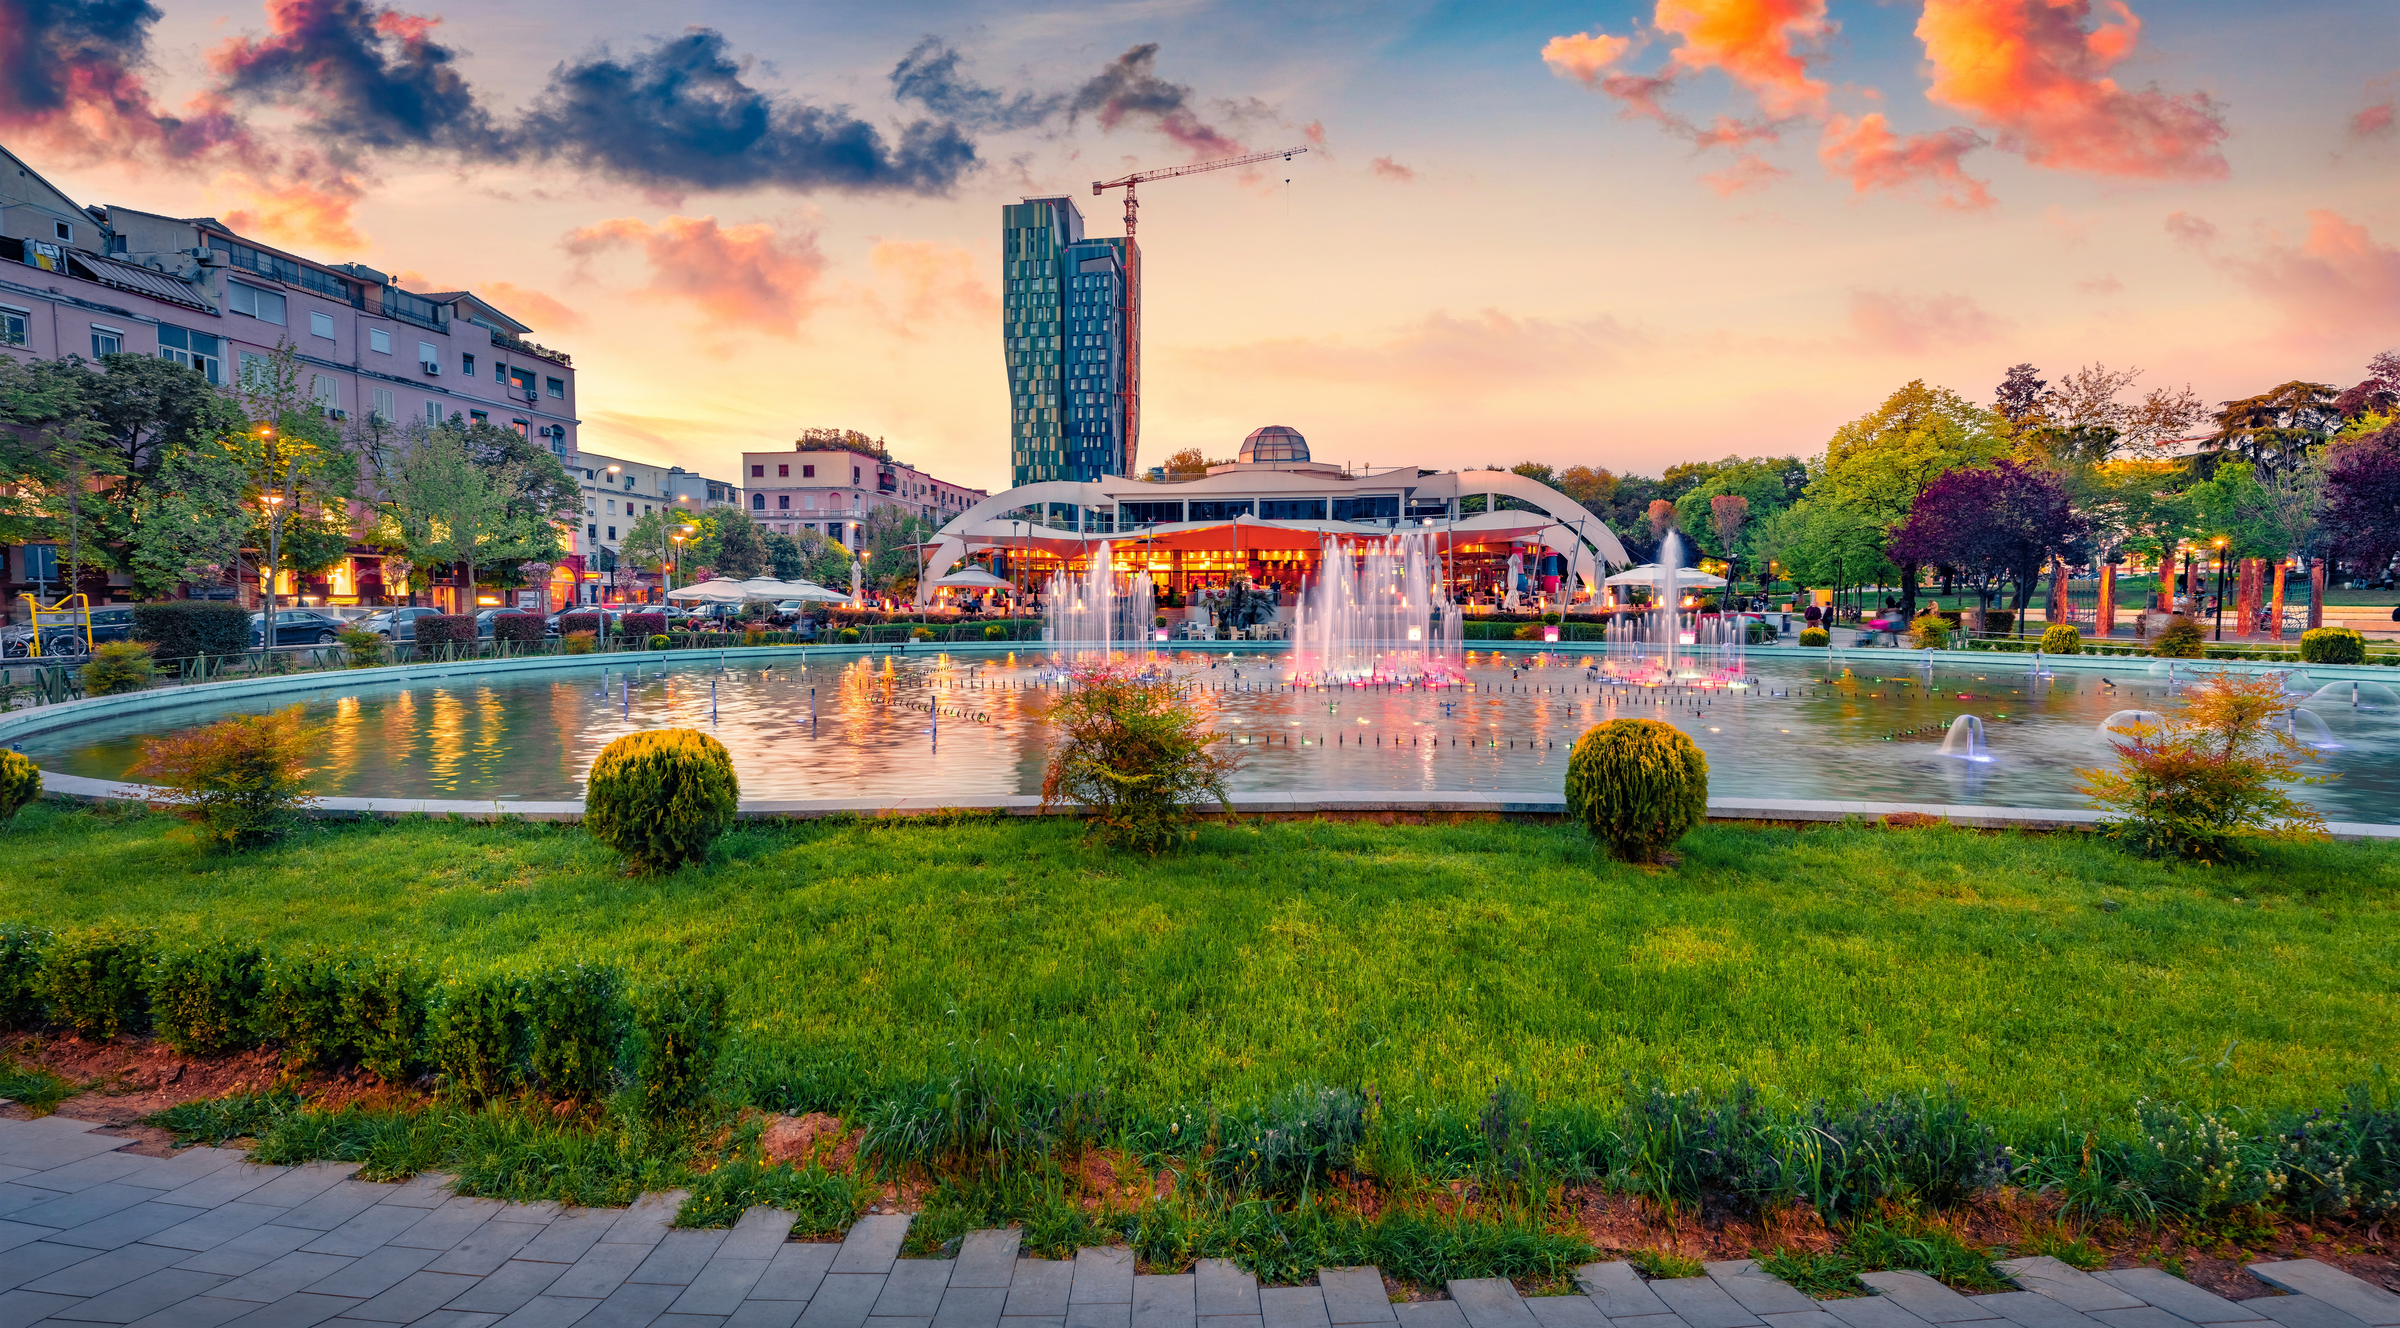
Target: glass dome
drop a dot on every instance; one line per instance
(1276, 442)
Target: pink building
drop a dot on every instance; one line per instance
(89, 281)
(832, 492)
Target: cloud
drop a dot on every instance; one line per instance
(2373, 121)
(530, 306)
(2198, 232)
(1443, 354)
(748, 276)
(1388, 169)
(2337, 277)
(929, 76)
(1870, 156)
(1130, 89)
(1761, 44)
(1584, 55)
(1889, 321)
(678, 116)
(934, 280)
(1748, 171)
(2033, 73)
(361, 78)
(2104, 284)
(70, 81)
(318, 212)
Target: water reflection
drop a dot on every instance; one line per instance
(1860, 728)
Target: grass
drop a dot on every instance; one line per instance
(32, 1087)
(2047, 977)
(220, 1120)
(1819, 1275)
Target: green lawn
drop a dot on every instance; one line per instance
(2045, 976)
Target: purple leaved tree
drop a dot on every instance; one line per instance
(1991, 526)
(2362, 499)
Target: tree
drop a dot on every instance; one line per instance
(1589, 486)
(1537, 471)
(2277, 429)
(1727, 512)
(288, 465)
(2085, 419)
(1878, 464)
(2376, 394)
(1991, 524)
(741, 546)
(1190, 461)
(2020, 389)
(840, 440)
(443, 505)
(651, 542)
(2362, 490)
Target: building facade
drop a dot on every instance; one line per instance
(1071, 344)
(92, 281)
(832, 492)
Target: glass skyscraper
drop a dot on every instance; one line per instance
(1071, 338)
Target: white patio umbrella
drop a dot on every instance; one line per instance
(973, 578)
(810, 590)
(717, 590)
(1651, 574)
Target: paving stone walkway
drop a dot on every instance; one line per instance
(90, 1235)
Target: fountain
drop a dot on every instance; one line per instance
(1090, 612)
(2358, 695)
(1378, 612)
(1965, 740)
(2307, 728)
(2125, 719)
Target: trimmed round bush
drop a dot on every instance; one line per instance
(2062, 639)
(849, 636)
(995, 632)
(1930, 630)
(577, 643)
(2181, 639)
(661, 641)
(1638, 785)
(2332, 645)
(1815, 636)
(920, 634)
(116, 667)
(20, 783)
(594, 623)
(661, 797)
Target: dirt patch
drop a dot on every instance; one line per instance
(1629, 1223)
(130, 1078)
(816, 1137)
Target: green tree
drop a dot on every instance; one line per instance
(652, 543)
(444, 504)
(741, 551)
(2277, 429)
(1877, 464)
(294, 476)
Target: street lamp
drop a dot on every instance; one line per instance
(2221, 543)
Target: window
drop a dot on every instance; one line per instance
(1292, 509)
(783, 472)
(428, 353)
(264, 305)
(324, 391)
(106, 340)
(63, 231)
(192, 350)
(783, 502)
(499, 371)
(320, 325)
(386, 409)
(854, 474)
(591, 532)
(433, 412)
(758, 472)
(612, 532)
(466, 364)
(253, 365)
(758, 502)
(557, 387)
(1218, 509)
(12, 325)
(612, 507)
(480, 416)
(808, 472)
(524, 428)
(379, 340)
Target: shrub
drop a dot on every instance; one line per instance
(920, 634)
(240, 778)
(2180, 639)
(117, 667)
(300, 1005)
(678, 1028)
(475, 1031)
(642, 624)
(519, 629)
(2062, 639)
(384, 1009)
(1130, 748)
(2208, 784)
(20, 783)
(365, 648)
(1815, 636)
(849, 636)
(93, 980)
(661, 797)
(21, 950)
(204, 996)
(184, 628)
(995, 632)
(661, 641)
(577, 643)
(2318, 645)
(573, 1021)
(594, 623)
(1551, 619)
(436, 630)
(1638, 785)
(754, 634)
(1999, 620)
(1929, 630)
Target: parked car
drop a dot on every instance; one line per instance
(298, 627)
(350, 613)
(395, 624)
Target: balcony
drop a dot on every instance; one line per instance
(511, 344)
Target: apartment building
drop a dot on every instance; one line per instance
(832, 491)
(98, 280)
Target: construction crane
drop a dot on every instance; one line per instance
(1170, 172)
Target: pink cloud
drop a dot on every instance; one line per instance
(2338, 277)
(2373, 121)
(749, 276)
(1889, 321)
(545, 312)
(2033, 73)
(2187, 229)
(1870, 156)
(1584, 55)
(1388, 169)
(1748, 172)
(1761, 44)
(2104, 284)
(934, 280)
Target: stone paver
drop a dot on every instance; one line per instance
(2032, 1309)
(1355, 1295)
(1164, 1302)
(2356, 1297)
(1618, 1291)
(1927, 1299)
(1222, 1290)
(1757, 1292)
(1699, 1301)
(2071, 1287)
(2304, 1312)
(1292, 1307)
(2178, 1297)
(1566, 1312)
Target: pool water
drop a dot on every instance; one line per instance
(1864, 726)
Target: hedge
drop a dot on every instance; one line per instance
(524, 629)
(435, 630)
(184, 628)
(595, 623)
(642, 624)
(574, 1032)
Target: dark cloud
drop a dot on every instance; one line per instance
(929, 76)
(70, 76)
(678, 115)
(368, 78)
(1130, 89)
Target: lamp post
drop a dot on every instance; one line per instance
(2221, 542)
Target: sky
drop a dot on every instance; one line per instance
(1618, 234)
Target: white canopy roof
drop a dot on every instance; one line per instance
(714, 591)
(1651, 574)
(975, 577)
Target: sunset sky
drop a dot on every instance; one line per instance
(1620, 235)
